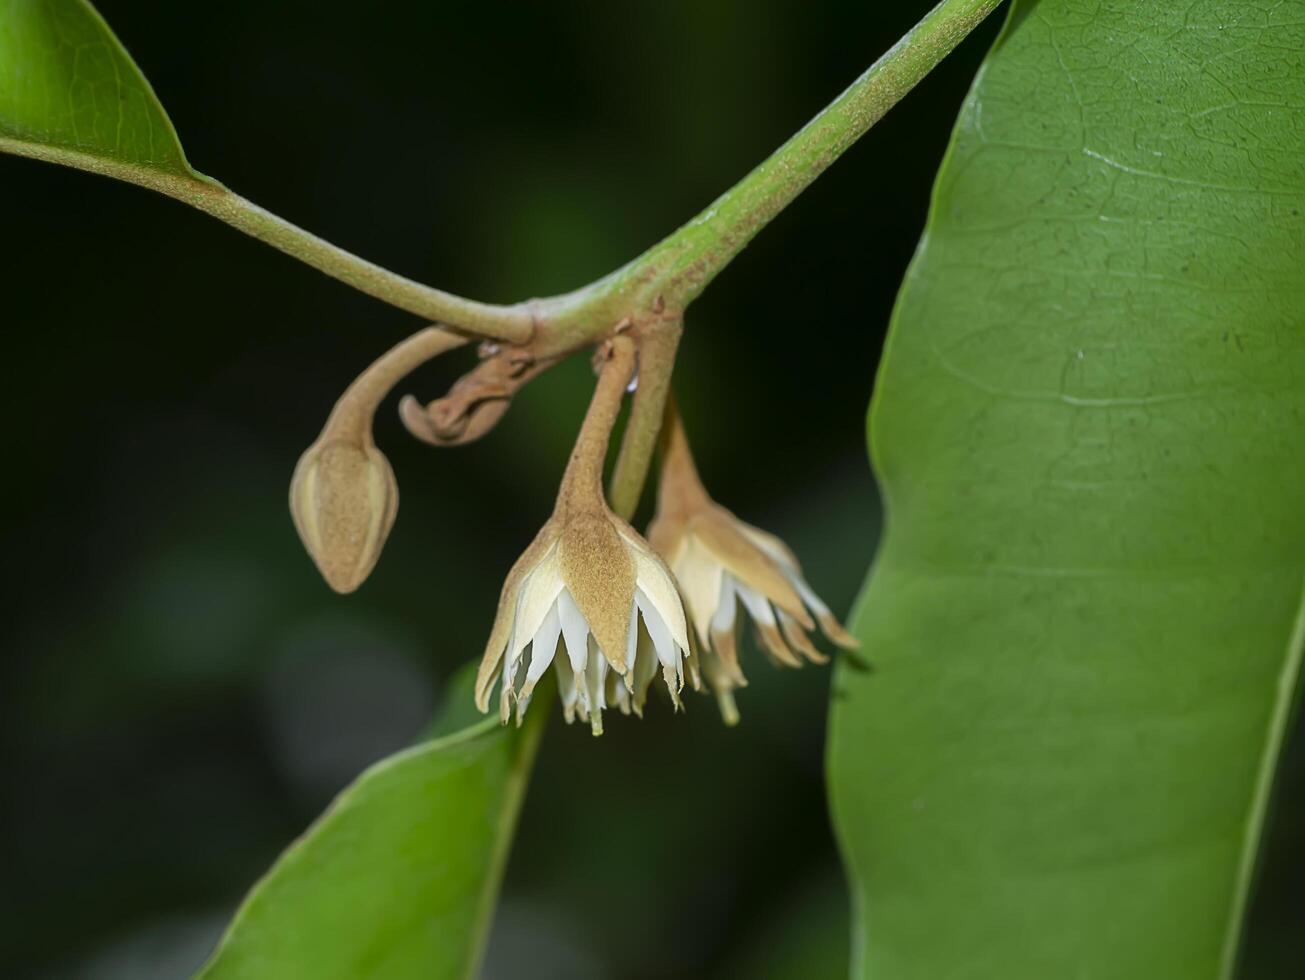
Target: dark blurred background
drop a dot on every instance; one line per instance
(182, 694)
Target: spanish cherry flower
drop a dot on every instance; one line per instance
(577, 596)
(722, 563)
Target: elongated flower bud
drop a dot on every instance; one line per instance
(343, 495)
(343, 498)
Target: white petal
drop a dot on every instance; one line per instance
(808, 596)
(632, 645)
(657, 631)
(656, 583)
(544, 646)
(700, 577)
(575, 630)
(513, 649)
(757, 605)
(538, 593)
(596, 680)
(723, 619)
(618, 693)
(566, 687)
(645, 669)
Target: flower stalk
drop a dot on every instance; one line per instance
(693, 256)
(343, 495)
(639, 442)
(591, 582)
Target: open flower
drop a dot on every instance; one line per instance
(721, 563)
(588, 579)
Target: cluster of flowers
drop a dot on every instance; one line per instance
(609, 611)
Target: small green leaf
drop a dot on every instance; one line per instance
(1085, 622)
(70, 93)
(397, 880)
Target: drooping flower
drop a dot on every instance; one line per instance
(721, 563)
(587, 580)
(577, 596)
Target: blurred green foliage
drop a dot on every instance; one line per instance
(181, 693)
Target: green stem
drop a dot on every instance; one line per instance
(511, 323)
(668, 276)
(656, 360)
(680, 267)
(701, 249)
(351, 418)
(582, 483)
(675, 271)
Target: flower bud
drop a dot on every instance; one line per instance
(343, 498)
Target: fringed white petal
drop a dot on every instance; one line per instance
(631, 645)
(575, 631)
(645, 669)
(657, 630)
(699, 575)
(538, 593)
(757, 606)
(722, 621)
(597, 674)
(618, 691)
(595, 686)
(566, 687)
(808, 595)
(656, 584)
(542, 648)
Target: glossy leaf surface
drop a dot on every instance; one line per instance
(1089, 424)
(70, 93)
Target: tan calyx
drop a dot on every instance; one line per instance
(599, 572)
(343, 498)
(491, 664)
(596, 568)
(724, 536)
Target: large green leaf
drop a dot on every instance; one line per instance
(1085, 620)
(70, 93)
(396, 881)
